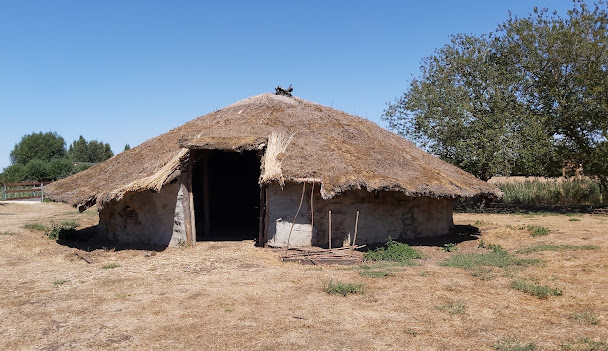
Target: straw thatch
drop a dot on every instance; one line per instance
(339, 150)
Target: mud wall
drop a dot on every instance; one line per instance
(146, 217)
(381, 215)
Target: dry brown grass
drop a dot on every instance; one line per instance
(232, 295)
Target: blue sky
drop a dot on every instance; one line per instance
(125, 71)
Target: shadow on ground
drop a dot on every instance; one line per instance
(459, 234)
(90, 239)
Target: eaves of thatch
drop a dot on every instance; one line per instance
(334, 148)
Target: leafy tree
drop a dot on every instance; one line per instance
(89, 151)
(13, 173)
(518, 101)
(36, 170)
(127, 147)
(60, 168)
(40, 146)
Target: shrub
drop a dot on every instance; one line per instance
(339, 288)
(63, 231)
(540, 291)
(450, 247)
(394, 251)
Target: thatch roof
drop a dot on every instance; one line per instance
(339, 150)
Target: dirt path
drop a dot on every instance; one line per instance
(232, 295)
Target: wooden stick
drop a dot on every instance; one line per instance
(296, 216)
(330, 229)
(312, 210)
(356, 225)
(82, 257)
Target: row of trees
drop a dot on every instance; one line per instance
(43, 156)
(521, 100)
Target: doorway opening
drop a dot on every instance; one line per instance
(226, 194)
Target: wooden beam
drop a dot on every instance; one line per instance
(206, 202)
(262, 220)
(186, 190)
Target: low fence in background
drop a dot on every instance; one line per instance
(24, 191)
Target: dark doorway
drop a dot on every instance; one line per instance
(226, 194)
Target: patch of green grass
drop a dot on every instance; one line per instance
(499, 257)
(110, 265)
(538, 230)
(586, 317)
(394, 251)
(540, 291)
(450, 247)
(340, 288)
(8, 233)
(453, 307)
(574, 220)
(63, 231)
(511, 344)
(35, 226)
(480, 223)
(585, 344)
(59, 282)
(553, 247)
(371, 273)
(483, 273)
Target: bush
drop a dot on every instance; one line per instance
(393, 251)
(63, 231)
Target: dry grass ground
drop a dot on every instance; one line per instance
(232, 295)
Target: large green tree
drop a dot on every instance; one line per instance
(517, 101)
(92, 151)
(39, 146)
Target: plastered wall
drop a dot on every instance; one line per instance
(381, 215)
(146, 217)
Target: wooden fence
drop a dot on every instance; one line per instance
(24, 191)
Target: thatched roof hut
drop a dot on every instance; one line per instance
(297, 142)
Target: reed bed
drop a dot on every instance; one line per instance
(553, 193)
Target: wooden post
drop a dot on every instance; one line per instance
(356, 225)
(330, 229)
(312, 210)
(191, 199)
(206, 211)
(262, 226)
(186, 190)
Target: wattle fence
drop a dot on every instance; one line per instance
(24, 191)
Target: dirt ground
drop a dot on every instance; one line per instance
(234, 296)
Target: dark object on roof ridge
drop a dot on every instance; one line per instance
(281, 91)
